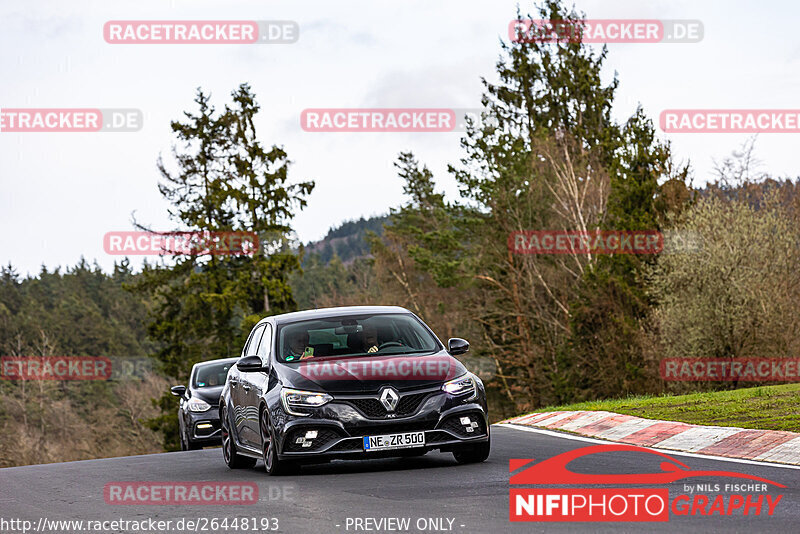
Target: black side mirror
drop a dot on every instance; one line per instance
(456, 345)
(250, 364)
(178, 391)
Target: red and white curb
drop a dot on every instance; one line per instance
(764, 445)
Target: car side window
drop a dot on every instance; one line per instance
(252, 345)
(246, 344)
(265, 346)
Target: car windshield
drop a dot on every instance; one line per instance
(211, 374)
(354, 336)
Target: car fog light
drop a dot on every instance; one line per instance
(204, 425)
(306, 444)
(465, 421)
(311, 434)
(300, 440)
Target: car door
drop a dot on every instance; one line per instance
(245, 402)
(185, 418)
(259, 381)
(234, 377)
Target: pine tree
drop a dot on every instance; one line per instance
(226, 181)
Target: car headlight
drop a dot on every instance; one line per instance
(294, 398)
(463, 385)
(197, 405)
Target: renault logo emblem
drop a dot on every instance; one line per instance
(389, 398)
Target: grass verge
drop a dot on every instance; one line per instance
(763, 408)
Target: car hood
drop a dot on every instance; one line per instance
(209, 394)
(360, 374)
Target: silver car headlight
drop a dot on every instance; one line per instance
(463, 385)
(295, 398)
(197, 405)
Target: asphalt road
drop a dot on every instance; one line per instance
(329, 498)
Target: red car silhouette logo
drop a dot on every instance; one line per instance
(554, 470)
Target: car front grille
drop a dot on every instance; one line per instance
(371, 407)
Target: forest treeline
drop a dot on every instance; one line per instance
(547, 154)
(346, 241)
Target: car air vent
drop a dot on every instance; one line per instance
(378, 430)
(319, 441)
(461, 424)
(348, 445)
(437, 436)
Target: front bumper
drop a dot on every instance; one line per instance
(342, 424)
(204, 427)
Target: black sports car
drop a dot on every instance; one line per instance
(198, 413)
(356, 382)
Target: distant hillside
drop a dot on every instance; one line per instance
(346, 240)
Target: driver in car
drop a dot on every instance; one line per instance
(298, 347)
(370, 339)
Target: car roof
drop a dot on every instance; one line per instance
(220, 360)
(333, 312)
(198, 365)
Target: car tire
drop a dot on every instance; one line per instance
(184, 446)
(232, 458)
(272, 464)
(187, 444)
(473, 455)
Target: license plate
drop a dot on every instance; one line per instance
(394, 441)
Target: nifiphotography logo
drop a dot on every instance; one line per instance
(630, 504)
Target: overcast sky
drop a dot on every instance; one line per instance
(61, 192)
